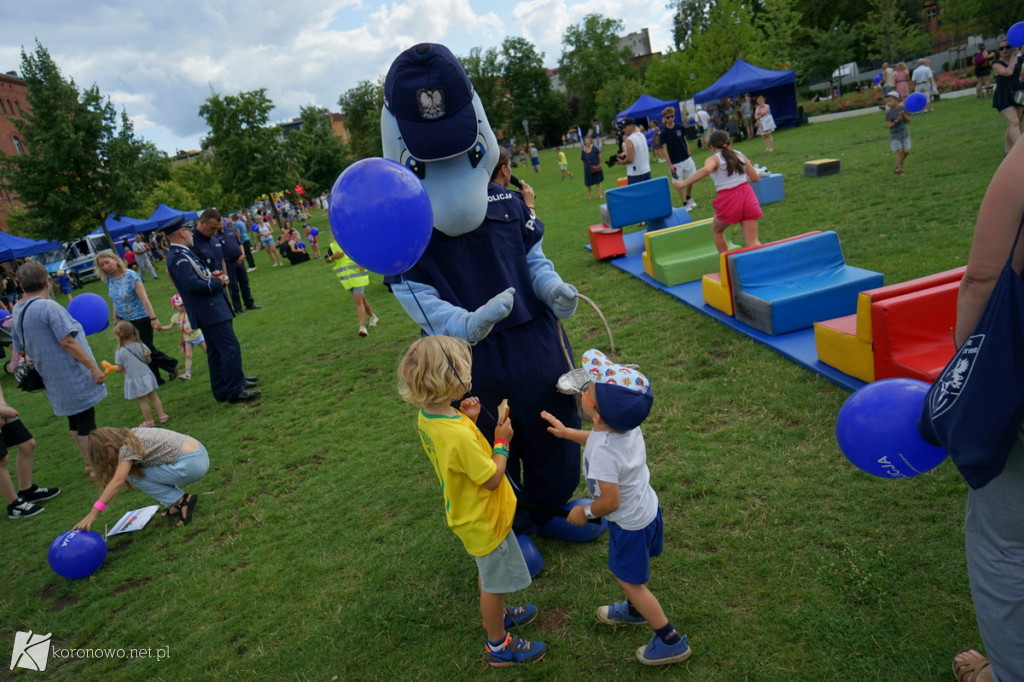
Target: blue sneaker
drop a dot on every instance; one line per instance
(618, 614)
(519, 615)
(658, 653)
(515, 652)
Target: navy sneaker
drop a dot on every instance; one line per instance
(519, 615)
(618, 614)
(37, 494)
(20, 509)
(516, 652)
(658, 653)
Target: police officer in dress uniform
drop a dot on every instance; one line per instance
(202, 292)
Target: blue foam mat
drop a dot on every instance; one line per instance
(797, 346)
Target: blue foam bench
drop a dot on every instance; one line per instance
(679, 216)
(791, 285)
(769, 189)
(637, 203)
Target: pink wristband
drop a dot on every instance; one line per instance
(99, 505)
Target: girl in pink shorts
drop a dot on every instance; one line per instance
(736, 201)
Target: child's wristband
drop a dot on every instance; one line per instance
(498, 450)
(99, 505)
(501, 443)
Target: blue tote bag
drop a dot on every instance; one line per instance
(975, 408)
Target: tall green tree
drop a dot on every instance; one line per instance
(248, 157)
(779, 23)
(81, 161)
(528, 87)
(890, 34)
(730, 33)
(591, 57)
(484, 70)
(315, 154)
(690, 19)
(999, 15)
(824, 50)
(361, 107)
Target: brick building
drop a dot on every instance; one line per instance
(13, 104)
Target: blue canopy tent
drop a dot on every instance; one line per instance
(650, 108)
(164, 216)
(123, 227)
(13, 246)
(778, 88)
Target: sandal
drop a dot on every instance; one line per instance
(146, 424)
(173, 510)
(186, 507)
(164, 418)
(899, 171)
(973, 669)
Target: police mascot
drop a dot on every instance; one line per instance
(484, 277)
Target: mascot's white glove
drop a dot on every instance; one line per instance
(548, 285)
(437, 316)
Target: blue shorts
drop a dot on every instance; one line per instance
(630, 551)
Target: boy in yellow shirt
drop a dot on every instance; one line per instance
(478, 499)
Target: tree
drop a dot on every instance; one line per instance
(691, 18)
(778, 22)
(669, 77)
(591, 57)
(362, 106)
(79, 165)
(248, 157)
(484, 71)
(527, 84)
(824, 51)
(890, 34)
(315, 153)
(730, 33)
(998, 16)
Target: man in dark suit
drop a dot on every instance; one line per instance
(221, 250)
(202, 292)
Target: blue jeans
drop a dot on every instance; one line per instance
(161, 482)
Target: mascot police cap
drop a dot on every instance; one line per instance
(431, 98)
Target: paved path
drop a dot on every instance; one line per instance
(875, 109)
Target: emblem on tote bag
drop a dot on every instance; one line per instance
(953, 379)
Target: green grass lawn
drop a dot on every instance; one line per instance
(319, 549)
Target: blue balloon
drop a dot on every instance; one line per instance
(877, 429)
(301, 245)
(878, 78)
(314, 231)
(91, 311)
(560, 529)
(254, 227)
(1015, 36)
(77, 553)
(4, 314)
(916, 101)
(380, 215)
(534, 561)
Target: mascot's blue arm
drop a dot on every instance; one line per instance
(548, 285)
(436, 316)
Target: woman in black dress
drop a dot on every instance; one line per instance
(593, 171)
(1007, 70)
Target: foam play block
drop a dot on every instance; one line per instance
(680, 254)
(913, 333)
(679, 216)
(838, 346)
(717, 287)
(769, 189)
(790, 286)
(605, 218)
(867, 298)
(606, 242)
(639, 202)
(816, 169)
(622, 182)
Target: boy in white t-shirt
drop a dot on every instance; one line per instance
(618, 398)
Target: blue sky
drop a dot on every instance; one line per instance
(160, 61)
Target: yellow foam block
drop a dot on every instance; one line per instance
(864, 332)
(716, 294)
(838, 346)
(648, 265)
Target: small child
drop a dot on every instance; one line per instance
(899, 135)
(313, 238)
(21, 503)
(618, 399)
(156, 461)
(132, 358)
(563, 165)
(65, 284)
(354, 278)
(736, 202)
(189, 337)
(478, 499)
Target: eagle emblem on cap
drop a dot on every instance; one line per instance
(431, 103)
